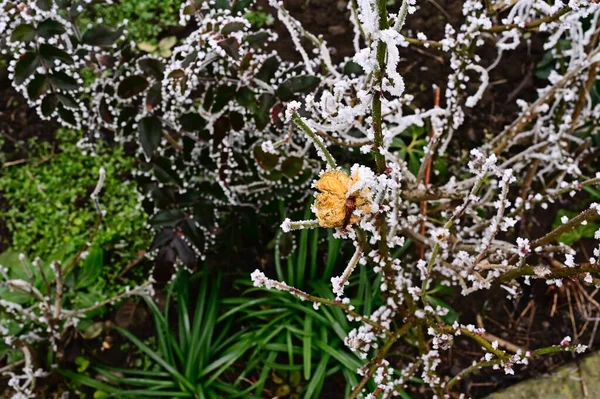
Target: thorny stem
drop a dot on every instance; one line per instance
(529, 270)
(502, 141)
(401, 15)
(377, 119)
(427, 176)
(141, 290)
(588, 215)
(530, 25)
(457, 214)
(324, 301)
(373, 364)
(316, 140)
(483, 363)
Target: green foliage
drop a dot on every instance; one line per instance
(292, 337)
(572, 236)
(146, 19)
(50, 213)
(259, 18)
(191, 358)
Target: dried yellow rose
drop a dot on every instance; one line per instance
(334, 204)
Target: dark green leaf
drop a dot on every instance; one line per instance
(49, 27)
(23, 33)
(37, 86)
(240, 6)
(26, 65)
(150, 129)
(49, 104)
(153, 97)
(101, 35)
(152, 67)
(265, 160)
(131, 86)
(297, 84)
(62, 81)
(51, 53)
(292, 166)
(352, 68)
(237, 120)
(231, 47)
(246, 98)
(257, 40)
(66, 115)
(192, 122)
(232, 27)
(67, 101)
(224, 95)
(169, 217)
(262, 115)
(267, 69)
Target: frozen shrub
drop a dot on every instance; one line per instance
(224, 123)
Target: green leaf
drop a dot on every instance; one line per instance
(352, 68)
(91, 269)
(49, 104)
(66, 115)
(49, 27)
(167, 43)
(224, 95)
(152, 66)
(82, 364)
(267, 69)
(451, 316)
(101, 35)
(150, 129)
(51, 53)
(231, 47)
(292, 166)
(157, 358)
(312, 389)
(131, 86)
(62, 81)
(26, 65)
(265, 160)
(169, 217)
(298, 84)
(307, 347)
(23, 33)
(232, 27)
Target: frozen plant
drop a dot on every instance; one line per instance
(374, 207)
(225, 123)
(36, 309)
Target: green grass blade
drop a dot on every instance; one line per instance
(289, 347)
(156, 357)
(314, 248)
(302, 253)
(314, 386)
(307, 347)
(333, 251)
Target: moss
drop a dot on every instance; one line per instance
(146, 19)
(49, 207)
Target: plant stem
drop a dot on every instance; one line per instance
(316, 140)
